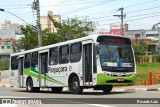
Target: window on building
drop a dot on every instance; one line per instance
(53, 56)
(64, 54)
(8, 47)
(2, 47)
(151, 35)
(34, 59)
(14, 63)
(76, 50)
(27, 62)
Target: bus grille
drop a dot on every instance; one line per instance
(115, 81)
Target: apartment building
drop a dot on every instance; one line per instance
(46, 22)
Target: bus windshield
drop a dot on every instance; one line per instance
(116, 55)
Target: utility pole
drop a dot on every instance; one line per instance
(122, 16)
(36, 7)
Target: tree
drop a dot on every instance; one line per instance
(30, 40)
(69, 29)
(141, 48)
(73, 28)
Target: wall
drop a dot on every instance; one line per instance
(7, 47)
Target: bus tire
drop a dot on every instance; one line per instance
(57, 89)
(75, 85)
(29, 85)
(107, 89)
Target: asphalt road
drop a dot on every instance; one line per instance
(67, 99)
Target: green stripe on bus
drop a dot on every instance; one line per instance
(32, 72)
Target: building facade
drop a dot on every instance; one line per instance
(46, 22)
(142, 34)
(9, 26)
(7, 34)
(8, 46)
(151, 38)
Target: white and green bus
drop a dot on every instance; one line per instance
(97, 61)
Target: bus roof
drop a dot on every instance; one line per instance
(90, 37)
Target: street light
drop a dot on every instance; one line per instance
(2, 10)
(38, 28)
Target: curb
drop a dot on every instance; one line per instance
(115, 90)
(7, 86)
(143, 89)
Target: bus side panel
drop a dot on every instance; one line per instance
(14, 78)
(31, 72)
(58, 75)
(76, 68)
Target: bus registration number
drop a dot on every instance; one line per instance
(120, 79)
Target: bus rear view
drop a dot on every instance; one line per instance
(116, 60)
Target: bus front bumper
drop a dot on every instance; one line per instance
(103, 79)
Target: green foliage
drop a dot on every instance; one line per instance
(73, 28)
(69, 29)
(148, 67)
(30, 40)
(4, 64)
(140, 49)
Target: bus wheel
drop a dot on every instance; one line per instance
(57, 89)
(106, 89)
(75, 85)
(29, 85)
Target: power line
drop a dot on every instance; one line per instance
(72, 3)
(143, 9)
(19, 5)
(86, 7)
(113, 9)
(131, 16)
(141, 3)
(133, 19)
(124, 7)
(68, 1)
(26, 6)
(127, 12)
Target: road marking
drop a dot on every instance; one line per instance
(8, 105)
(120, 90)
(141, 89)
(12, 97)
(100, 105)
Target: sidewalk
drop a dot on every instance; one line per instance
(4, 80)
(140, 88)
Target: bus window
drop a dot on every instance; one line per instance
(76, 50)
(64, 54)
(27, 61)
(14, 63)
(53, 56)
(34, 60)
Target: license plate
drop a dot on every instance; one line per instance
(120, 79)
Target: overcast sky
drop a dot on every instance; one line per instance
(140, 14)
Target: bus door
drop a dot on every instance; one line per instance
(87, 64)
(20, 71)
(43, 68)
